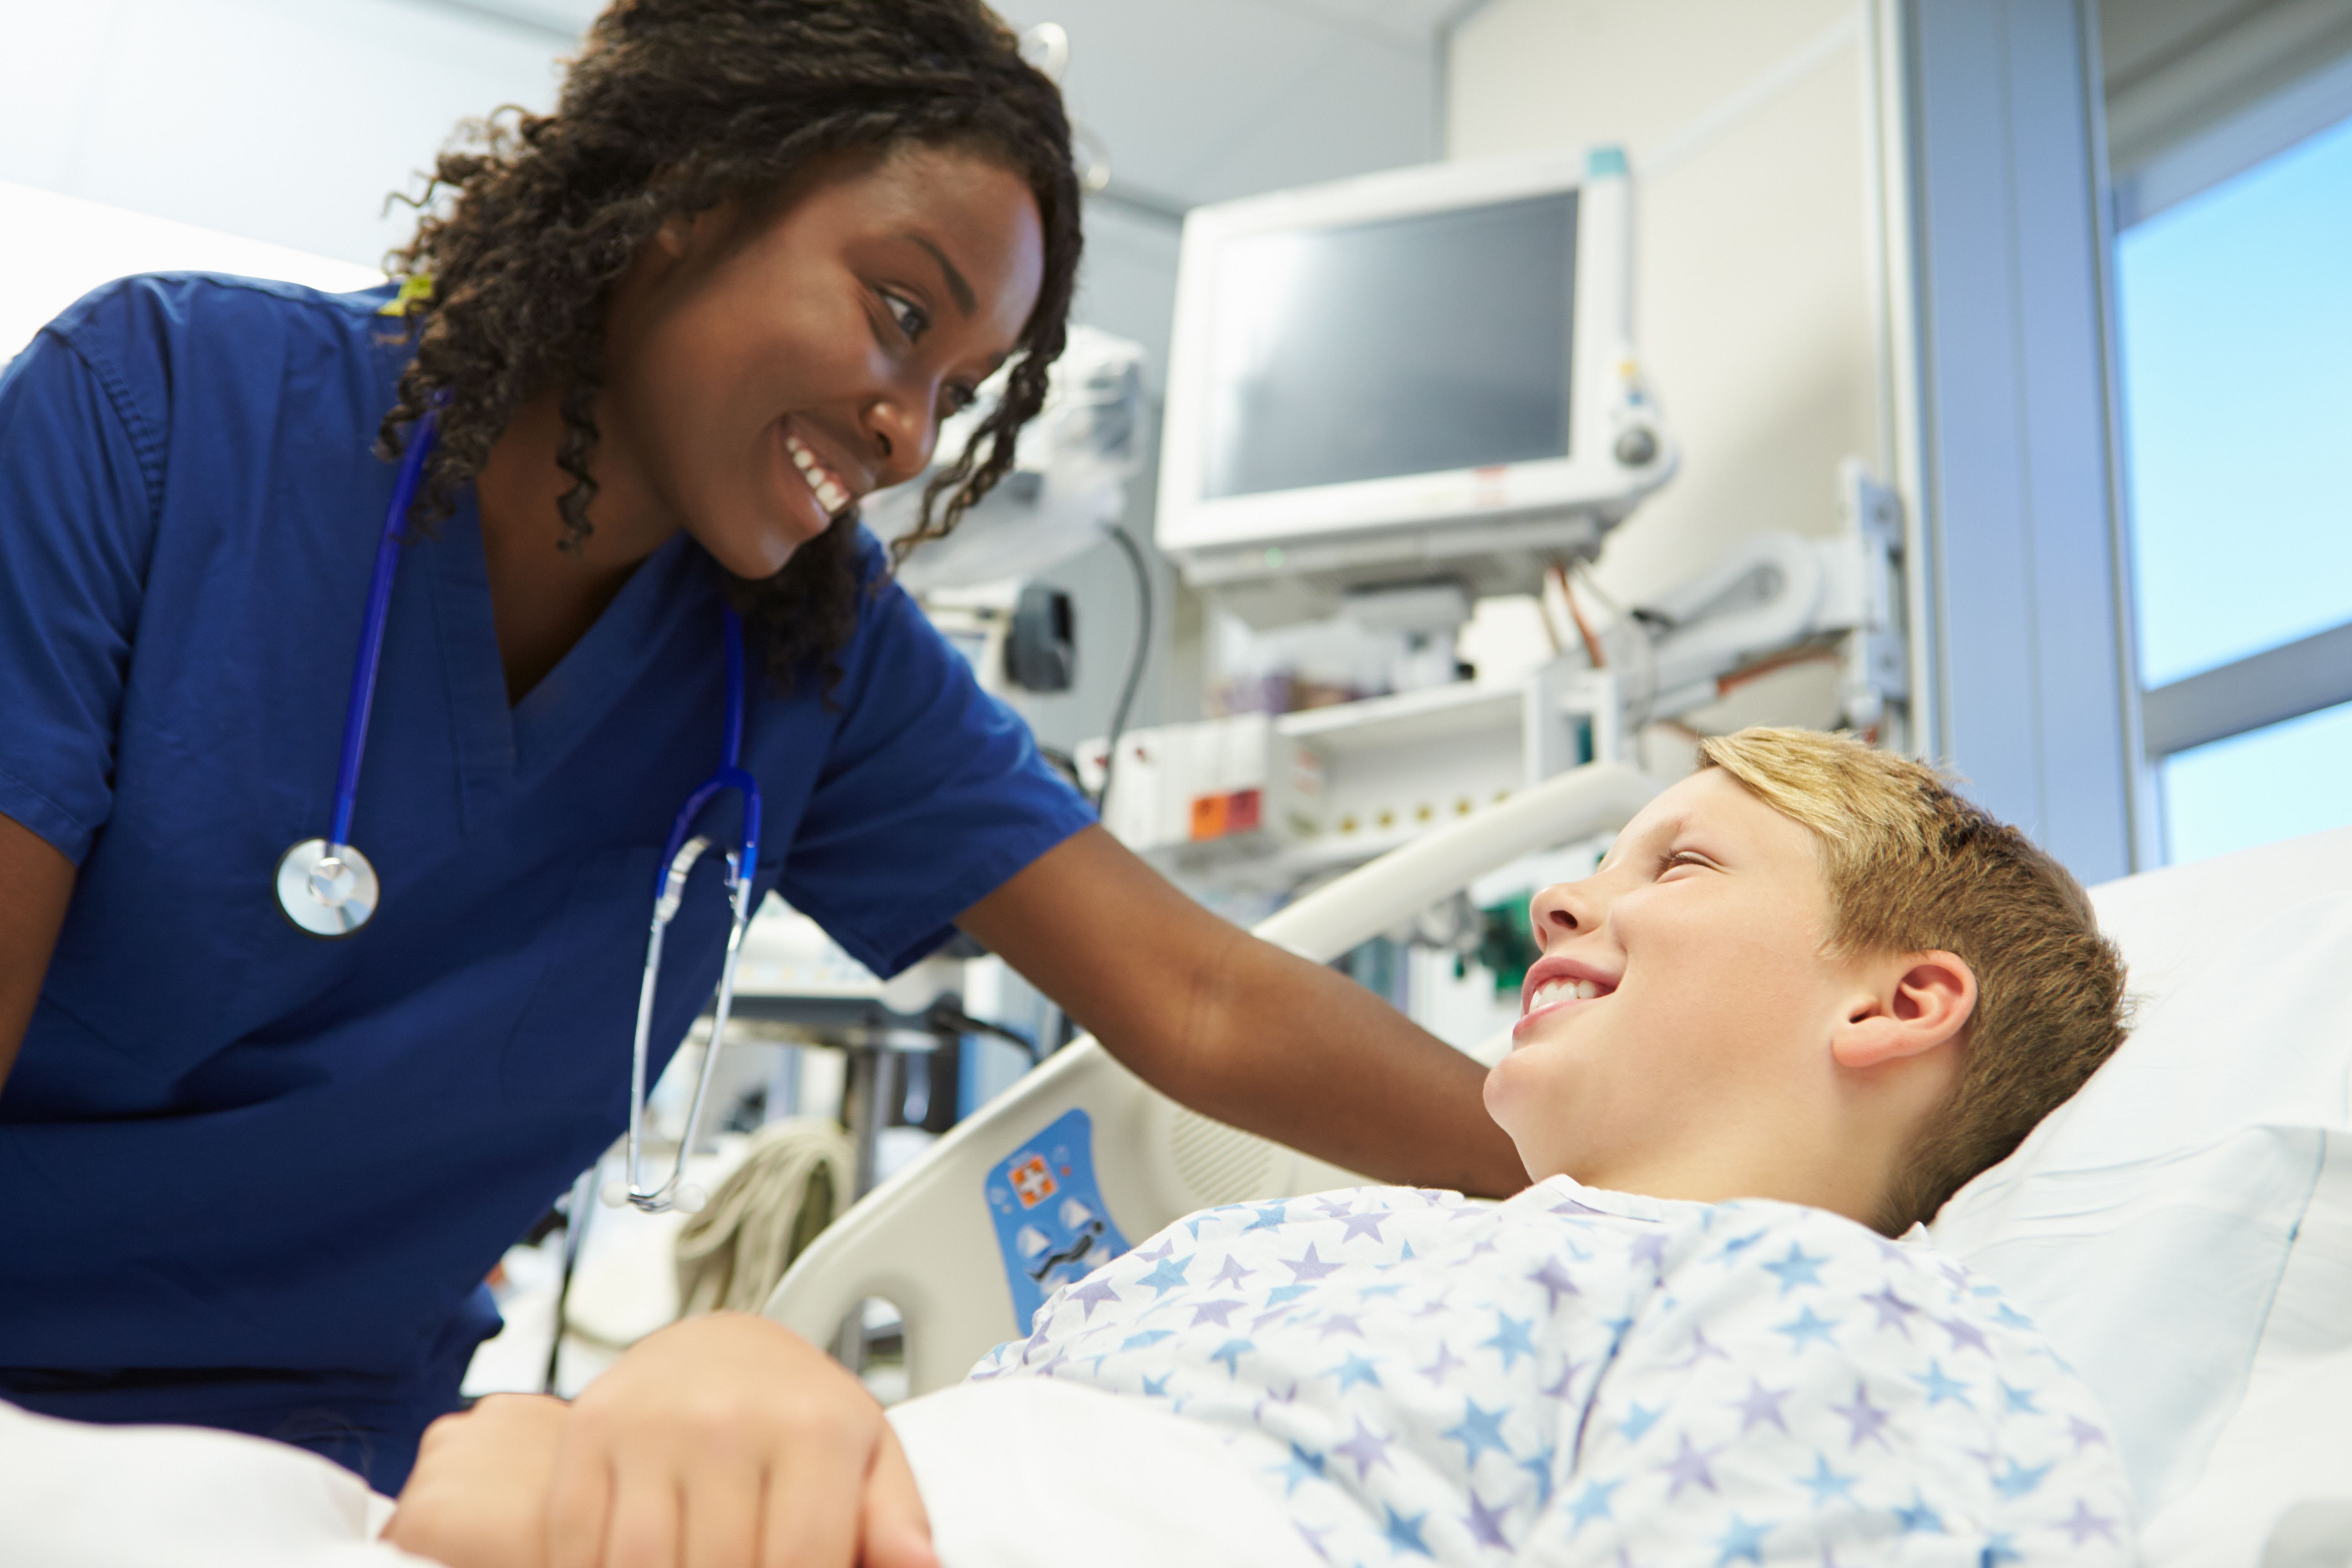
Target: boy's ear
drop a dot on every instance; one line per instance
(1908, 1005)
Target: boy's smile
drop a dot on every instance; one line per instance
(1560, 982)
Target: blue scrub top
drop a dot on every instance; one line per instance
(268, 1171)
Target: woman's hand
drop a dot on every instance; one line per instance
(478, 1497)
(727, 1441)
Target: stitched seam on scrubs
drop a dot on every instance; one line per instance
(144, 439)
(75, 842)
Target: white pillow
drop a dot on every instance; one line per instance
(2289, 1441)
(2146, 1224)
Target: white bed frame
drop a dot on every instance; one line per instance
(925, 1241)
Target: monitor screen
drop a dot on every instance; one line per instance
(1372, 351)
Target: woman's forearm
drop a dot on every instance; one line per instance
(1240, 1030)
(1305, 1056)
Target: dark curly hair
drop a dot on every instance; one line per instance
(673, 107)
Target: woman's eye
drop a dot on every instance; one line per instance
(959, 396)
(912, 319)
(1679, 858)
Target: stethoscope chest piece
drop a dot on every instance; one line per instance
(328, 891)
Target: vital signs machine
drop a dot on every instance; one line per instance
(1391, 396)
(1414, 380)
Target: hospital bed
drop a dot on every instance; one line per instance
(2182, 1229)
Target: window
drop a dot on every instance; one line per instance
(2235, 316)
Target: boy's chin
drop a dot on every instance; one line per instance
(1531, 1100)
(1509, 1102)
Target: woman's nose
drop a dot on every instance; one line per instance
(903, 428)
(1563, 910)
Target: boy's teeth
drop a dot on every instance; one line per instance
(1553, 991)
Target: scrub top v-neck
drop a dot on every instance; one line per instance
(256, 1179)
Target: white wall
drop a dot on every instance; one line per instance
(284, 121)
(1755, 312)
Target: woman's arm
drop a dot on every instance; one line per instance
(1240, 1030)
(35, 881)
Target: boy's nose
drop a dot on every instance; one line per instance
(1563, 910)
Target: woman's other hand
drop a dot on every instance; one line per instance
(478, 1497)
(727, 1441)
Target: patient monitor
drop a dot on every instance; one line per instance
(1413, 378)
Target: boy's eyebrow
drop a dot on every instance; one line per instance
(966, 300)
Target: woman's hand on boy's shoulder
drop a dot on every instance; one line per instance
(722, 1442)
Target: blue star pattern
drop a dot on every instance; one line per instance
(1594, 1379)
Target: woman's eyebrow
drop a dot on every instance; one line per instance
(966, 300)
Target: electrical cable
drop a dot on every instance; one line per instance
(1135, 665)
(946, 1016)
(1592, 651)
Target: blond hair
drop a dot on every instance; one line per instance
(1912, 866)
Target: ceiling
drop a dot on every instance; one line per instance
(2175, 67)
(1197, 100)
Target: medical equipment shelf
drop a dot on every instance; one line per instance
(1259, 804)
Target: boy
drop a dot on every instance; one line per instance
(1808, 994)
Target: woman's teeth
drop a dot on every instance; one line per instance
(1553, 991)
(831, 493)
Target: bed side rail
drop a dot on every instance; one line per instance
(926, 1240)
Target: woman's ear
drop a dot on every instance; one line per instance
(1909, 1004)
(674, 236)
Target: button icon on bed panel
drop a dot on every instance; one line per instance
(1033, 1184)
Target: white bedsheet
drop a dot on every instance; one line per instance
(76, 1496)
(1029, 1475)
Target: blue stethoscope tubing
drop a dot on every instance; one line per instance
(329, 890)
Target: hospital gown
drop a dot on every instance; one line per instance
(1578, 1376)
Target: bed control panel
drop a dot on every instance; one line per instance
(1052, 1225)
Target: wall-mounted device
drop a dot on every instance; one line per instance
(1413, 377)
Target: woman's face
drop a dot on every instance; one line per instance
(764, 371)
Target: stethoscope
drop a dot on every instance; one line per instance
(328, 889)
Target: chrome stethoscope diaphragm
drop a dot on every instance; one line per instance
(327, 889)
(324, 886)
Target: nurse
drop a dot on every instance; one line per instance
(671, 334)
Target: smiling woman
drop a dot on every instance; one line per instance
(656, 229)
(765, 364)
(668, 336)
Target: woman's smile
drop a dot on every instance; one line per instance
(815, 490)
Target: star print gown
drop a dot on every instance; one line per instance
(1577, 1376)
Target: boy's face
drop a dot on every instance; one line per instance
(1706, 1050)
